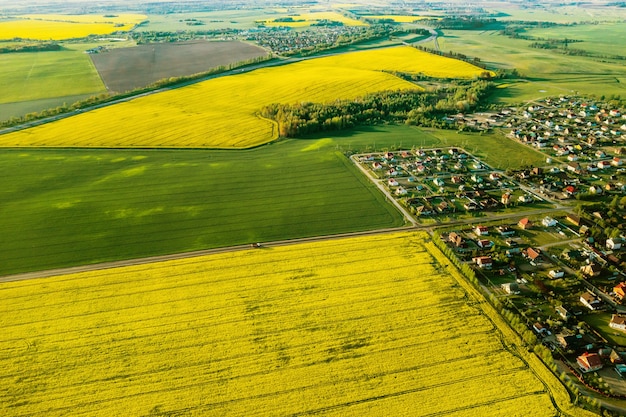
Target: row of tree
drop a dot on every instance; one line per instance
(416, 107)
(30, 47)
(107, 97)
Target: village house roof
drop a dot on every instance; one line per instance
(533, 254)
(589, 362)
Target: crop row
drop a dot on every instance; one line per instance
(341, 327)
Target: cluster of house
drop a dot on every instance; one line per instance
(461, 243)
(591, 352)
(597, 258)
(433, 178)
(581, 132)
(286, 40)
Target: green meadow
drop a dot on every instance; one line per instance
(602, 39)
(69, 207)
(42, 75)
(544, 72)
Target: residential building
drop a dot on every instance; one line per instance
(589, 362)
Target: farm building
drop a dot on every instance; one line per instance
(574, 219)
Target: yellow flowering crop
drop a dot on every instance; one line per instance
(59, 27)
(348, 327)
(222, 112)
(307, 19)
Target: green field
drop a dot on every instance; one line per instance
(561, 13)
(42, 75)
(545, 73)
(69, 207)
(235, 19)
(604, 38)
(75, 207)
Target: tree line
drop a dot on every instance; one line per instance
(31, 47)
(107, 97)
(415, 107)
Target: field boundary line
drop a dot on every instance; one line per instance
(511, 340)
(192, 254)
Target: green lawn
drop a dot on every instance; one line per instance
(42, 75)
(600, 322)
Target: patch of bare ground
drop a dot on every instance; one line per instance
(125, 69)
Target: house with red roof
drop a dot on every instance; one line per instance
(589, 362)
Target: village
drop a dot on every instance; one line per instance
(547, 241)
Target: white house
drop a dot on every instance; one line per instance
(481, 230)
(549, 221)
(613, 244)
(401, 191)
(484, 243)
(556, 273)
(438, 182)
(618, 322)
(590, 300)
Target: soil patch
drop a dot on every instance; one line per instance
(125, 69)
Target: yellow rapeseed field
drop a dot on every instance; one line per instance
(59, 27)
(221, 113)
(366, 326)
(307, 19)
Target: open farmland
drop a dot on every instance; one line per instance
(59, 27)
(221, 113)
(362, 326)
(124, 69)
(307, 19)
(111, 205)
(65, 208)
(31, 76)
(545, 73)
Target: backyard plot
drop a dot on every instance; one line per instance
(221, 113)
(362, 326)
